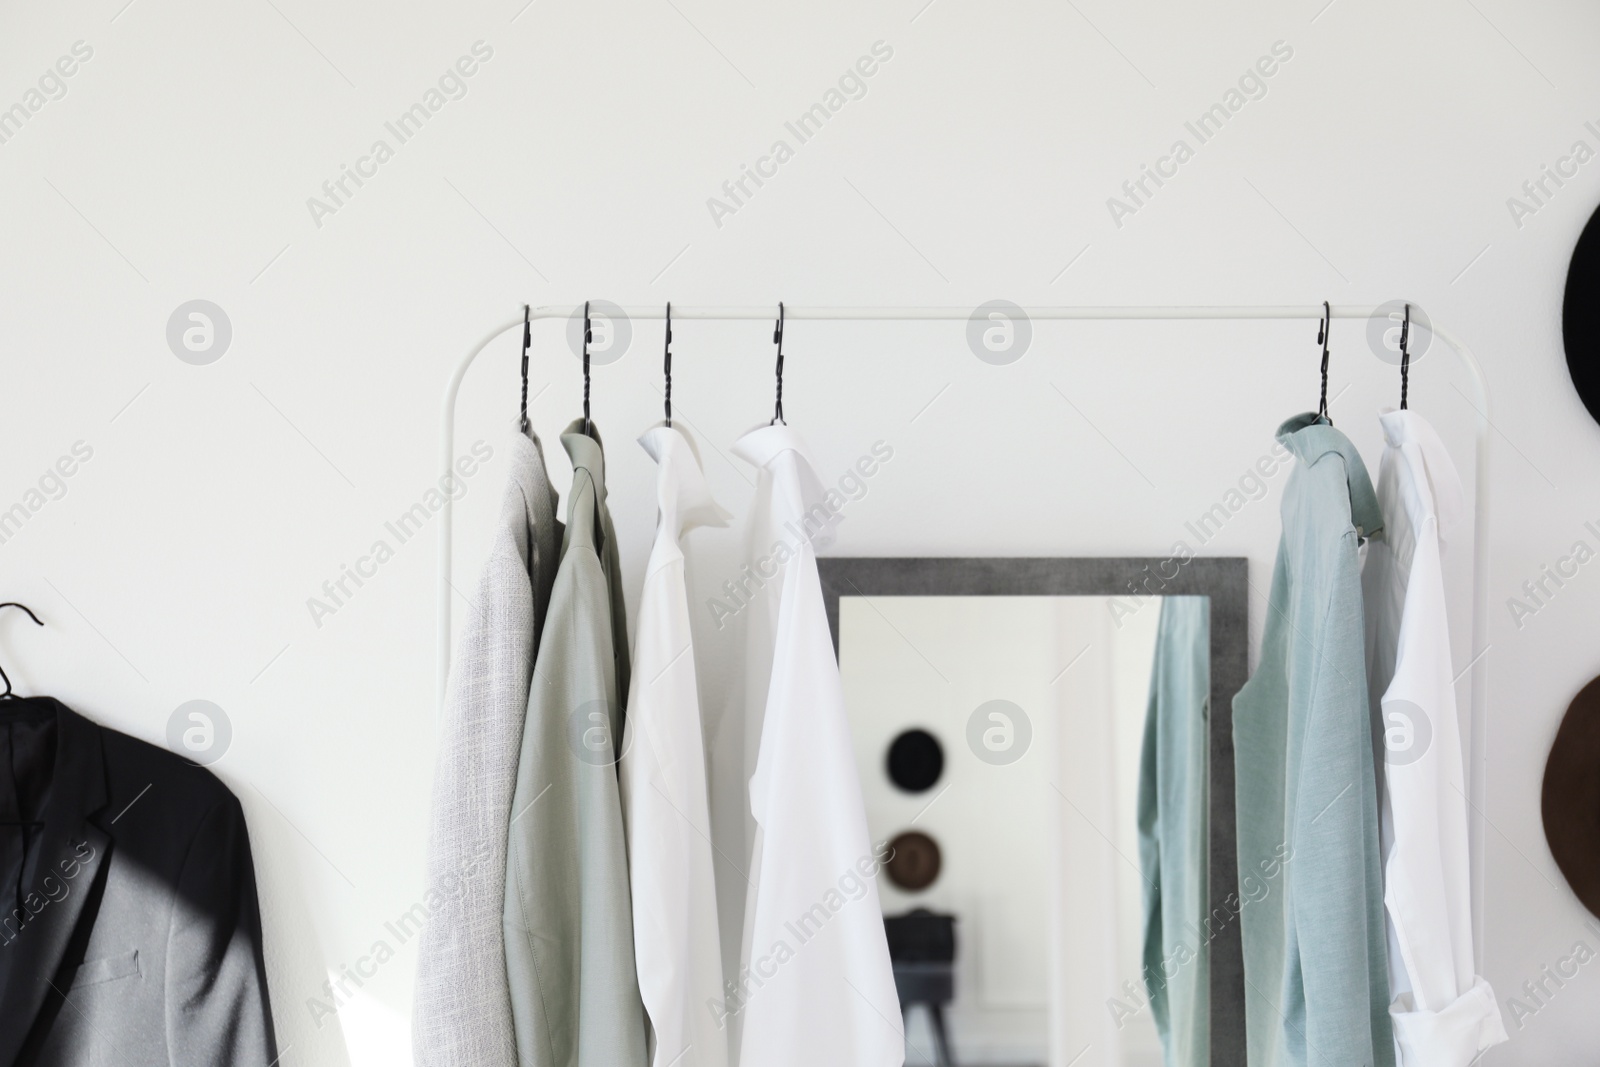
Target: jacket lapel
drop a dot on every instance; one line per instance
(72, 853)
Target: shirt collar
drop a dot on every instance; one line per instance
(798, 493)
(586, 453)
(768, 441)
(1310, 437)
(1403, 429)
(528, 468)
(682, 493)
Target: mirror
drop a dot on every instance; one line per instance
(1035, 740)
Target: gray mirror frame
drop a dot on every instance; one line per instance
(1225, 580)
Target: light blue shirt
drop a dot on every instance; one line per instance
(1310, 878)
(1173, 840)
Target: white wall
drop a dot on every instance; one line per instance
(219, 498)
(1036, 851)
(998, 839)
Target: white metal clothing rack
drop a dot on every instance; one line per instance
(1480, 527)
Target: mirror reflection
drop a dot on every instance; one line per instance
(1038, 764)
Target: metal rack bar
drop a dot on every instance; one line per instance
(1477, 739)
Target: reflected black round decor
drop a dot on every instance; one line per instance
(916, 759)
(1580, 317)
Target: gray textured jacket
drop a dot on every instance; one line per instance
(462, 1014)
(568, 918)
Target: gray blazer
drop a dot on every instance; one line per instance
(568, 917)
(138, 938)
(462, 1013)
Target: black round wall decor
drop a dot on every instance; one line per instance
(915, 761)
(1580, 317)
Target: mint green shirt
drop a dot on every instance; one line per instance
(1310, 878)
(1173, 840)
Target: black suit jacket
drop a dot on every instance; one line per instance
(139, 939)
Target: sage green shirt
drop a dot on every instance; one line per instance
(568, 914)
(1310, 879)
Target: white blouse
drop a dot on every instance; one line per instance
(815, 984)
(663, 781)
(1444, 1013)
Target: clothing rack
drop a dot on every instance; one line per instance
(1476, 759)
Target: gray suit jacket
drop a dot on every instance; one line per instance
(462, 1013)
(138, 942)
(568, 918)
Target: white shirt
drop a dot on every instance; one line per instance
(663, 779)
(1444, 1014)
(815, 984)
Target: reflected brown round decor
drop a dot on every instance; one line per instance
(1571, 797)
(915, 761)
(914, 862)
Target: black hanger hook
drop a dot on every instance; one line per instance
(588, 338)
(777, 339)
(527, 339)
(667, 364)
(8, 694)
(1324, 333)
(1405, 357)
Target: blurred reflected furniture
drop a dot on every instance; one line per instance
(922, 946)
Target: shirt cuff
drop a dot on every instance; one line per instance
(1452, 1036)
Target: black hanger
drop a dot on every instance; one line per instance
(8, 694)
(667, 363)
(527, 339)
(588, 338)
(1405, 357)
(777, 339)
(1324, 331)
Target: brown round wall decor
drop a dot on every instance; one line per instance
(1571, 796)
(914, 861)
